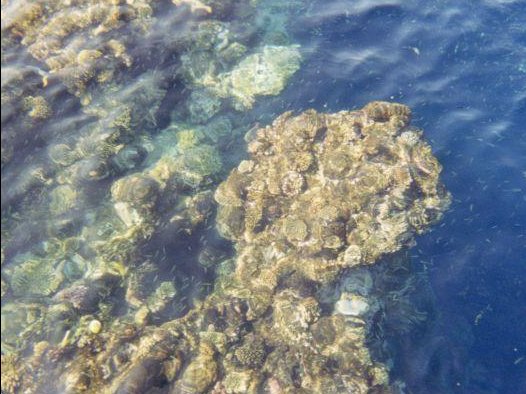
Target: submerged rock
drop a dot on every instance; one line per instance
(95, 327)
(202, 105)
(356, 200)
(319, 195)
(200, 373)
(264, 73)
(321, 199)
(352, 305)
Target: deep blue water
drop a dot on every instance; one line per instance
(461, 66)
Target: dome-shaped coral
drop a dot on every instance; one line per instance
(260, 74)
(136, 190)
(343, 208)
(251, 353)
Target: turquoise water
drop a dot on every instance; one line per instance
(176, 106)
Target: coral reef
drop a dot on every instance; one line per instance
(331, 192)
(113, 278)
(297, 310)
(251, 353)
(264, 73)
(66, 37)
(11, 371)
(321, 195)
(202, 105)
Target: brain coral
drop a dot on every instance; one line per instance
(325, 192)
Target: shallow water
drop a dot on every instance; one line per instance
(459, 65)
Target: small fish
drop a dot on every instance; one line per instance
(415, 50)
(251, 133)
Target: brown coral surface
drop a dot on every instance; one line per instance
(322, 198)
(320, 195)
(324, 192)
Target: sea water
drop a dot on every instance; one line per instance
(459, 65)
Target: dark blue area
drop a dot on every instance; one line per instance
(461, 67)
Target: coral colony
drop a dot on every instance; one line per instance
(149, 248)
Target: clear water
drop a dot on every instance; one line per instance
(459, 65)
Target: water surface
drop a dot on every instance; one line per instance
(459, 65)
